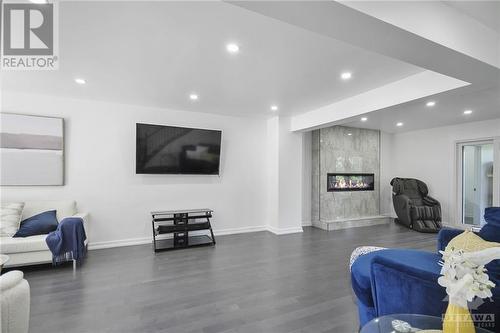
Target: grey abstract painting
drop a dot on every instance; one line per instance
(31, 150)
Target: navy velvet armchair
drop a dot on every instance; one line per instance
(405, 281)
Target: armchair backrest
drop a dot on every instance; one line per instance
(491, 230)
(414, 189)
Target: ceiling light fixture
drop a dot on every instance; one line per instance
(430, 104)
(399, 124)
(232, 48)
(39, 1)
(364, 119)
(467, 112)
(274, 108)
(346, 75)
(80, 81)
(349, 134)
(193, 97)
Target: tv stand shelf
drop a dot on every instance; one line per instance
(179, 223)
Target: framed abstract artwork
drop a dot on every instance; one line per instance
(31, 150)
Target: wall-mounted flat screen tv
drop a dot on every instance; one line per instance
(177, 150)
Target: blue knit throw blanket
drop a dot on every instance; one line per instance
(67, 242)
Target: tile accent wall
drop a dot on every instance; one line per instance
(334, 150)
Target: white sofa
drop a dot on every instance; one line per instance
(14, 302)
(23, 251)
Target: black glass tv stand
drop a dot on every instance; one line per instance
(176, 226)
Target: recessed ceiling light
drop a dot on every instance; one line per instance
(193, 97)
(364, 119)
(346, 75)
(274, 108)
(467, 112)
(232, 48)
(80, 80)
(399, 124)
(39, 1)
(430, 103)
(349, 134)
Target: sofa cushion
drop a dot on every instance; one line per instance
(10, 217)
(361, 269)
(64, 208)
(23, 244)
(40, 224)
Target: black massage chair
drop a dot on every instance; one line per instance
(414, 208)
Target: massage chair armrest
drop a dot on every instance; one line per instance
(402, 199)
(445, 235)
(430, 201)
(402, 204)
(401, 288)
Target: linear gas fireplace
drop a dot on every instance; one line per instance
(350, 182)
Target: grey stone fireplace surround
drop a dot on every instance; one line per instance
(345, 150)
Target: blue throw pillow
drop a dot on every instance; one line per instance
(39, 224)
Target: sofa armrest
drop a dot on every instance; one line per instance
(402, 288)
(15, 302)
(445, 235)
(85, 218)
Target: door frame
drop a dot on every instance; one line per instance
(458, 188)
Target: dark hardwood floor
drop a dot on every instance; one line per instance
(254, 282)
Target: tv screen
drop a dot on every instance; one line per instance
(177, 150)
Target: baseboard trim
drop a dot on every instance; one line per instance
(119, 243)
(148, 240)
(243, 230)
(307, 223)
(284, 231)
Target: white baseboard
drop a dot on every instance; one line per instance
(243, 230)
(119, 243)
(148, 240)
(284, 231)
(307, 223)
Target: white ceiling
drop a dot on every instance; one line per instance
(157, 53)
(486, 12)
(448, 110)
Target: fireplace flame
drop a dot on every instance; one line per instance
(350, 182)
(342, 183)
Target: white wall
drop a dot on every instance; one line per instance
(306, 178)
(386, 174)
(284, 177)
(290, 178)
(100, 168)
(430, 155)
(272, 175)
